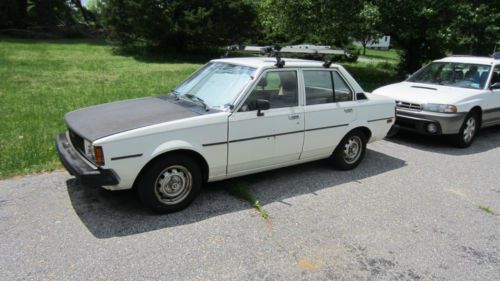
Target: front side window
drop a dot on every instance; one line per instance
(278, 87)
(463, 75)
(217, 84)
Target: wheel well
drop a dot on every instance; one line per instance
(479, 112)
(364, 130)
(190, 153)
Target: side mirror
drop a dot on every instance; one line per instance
(262, 104)
(407, 76)
(495, 86)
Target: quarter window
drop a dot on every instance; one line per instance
(278, 87)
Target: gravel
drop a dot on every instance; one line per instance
(410, 211)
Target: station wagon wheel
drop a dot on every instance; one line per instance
(350, 151)
(467, 132)
(170, 183)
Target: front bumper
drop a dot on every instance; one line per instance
(76, 166)
(418, 121)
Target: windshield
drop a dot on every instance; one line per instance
(463, 75)
(216, 84)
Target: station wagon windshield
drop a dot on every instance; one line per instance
(216, 84)
(463, 75)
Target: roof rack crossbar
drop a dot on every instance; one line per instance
(277, 51)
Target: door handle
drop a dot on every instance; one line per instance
(293, 117)
(348, 110)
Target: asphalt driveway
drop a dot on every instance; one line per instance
(415, 209)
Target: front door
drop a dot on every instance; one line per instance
(491, 108)
(275, 136)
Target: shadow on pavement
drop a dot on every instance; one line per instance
(119, 213)
(486, 139)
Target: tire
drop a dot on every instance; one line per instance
(183, 185)
(467, 132)
(350, 151)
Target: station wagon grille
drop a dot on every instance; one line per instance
(77, 142)
(408, 105)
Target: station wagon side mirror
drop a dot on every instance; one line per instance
(262, 104)
(495, 86)
(407, 76)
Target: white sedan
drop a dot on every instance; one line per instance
(453, 96)
(230, 118)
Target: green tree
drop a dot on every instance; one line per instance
(182, 24)
(476, 28)
(313, 21)
(367, 24)
(13, 13)
(421, 28)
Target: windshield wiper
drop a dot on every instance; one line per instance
(198, 100)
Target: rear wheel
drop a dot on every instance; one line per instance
(467, 132)
(170, 184)
(350, 151)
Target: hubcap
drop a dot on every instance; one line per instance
(352, 149)
(173, 184)
(470, 129)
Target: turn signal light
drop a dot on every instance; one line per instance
(99, 156)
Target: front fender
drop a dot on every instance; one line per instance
(173, 145)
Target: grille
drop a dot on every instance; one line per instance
(408, 105)
(77, 142)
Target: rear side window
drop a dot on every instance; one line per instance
(325, 87)
(319, 87)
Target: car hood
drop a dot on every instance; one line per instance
(424, 93)
(99, 121)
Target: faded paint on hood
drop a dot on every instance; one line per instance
(99, 121)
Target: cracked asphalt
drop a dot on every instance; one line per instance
(410, 211)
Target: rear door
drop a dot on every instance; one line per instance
(274, 138)
(329, 109)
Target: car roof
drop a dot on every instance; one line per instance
(259, 62)
(469, 59)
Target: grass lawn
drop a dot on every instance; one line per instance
(389, 55)
(42, 80)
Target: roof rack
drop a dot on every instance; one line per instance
(276, 51)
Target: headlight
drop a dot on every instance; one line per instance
(93, 153)
(448, 108)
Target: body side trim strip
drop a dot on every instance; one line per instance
(380, 119)
(275, 135)
(126, 156)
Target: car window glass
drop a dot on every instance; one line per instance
(342, 90)
(319, 88)
(453, 74)
(278, 87)
(495, 76)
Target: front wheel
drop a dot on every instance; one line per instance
(170, 183)
(467, 132)
(350, 151)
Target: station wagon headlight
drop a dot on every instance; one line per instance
(93, 153)
(436, 107)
